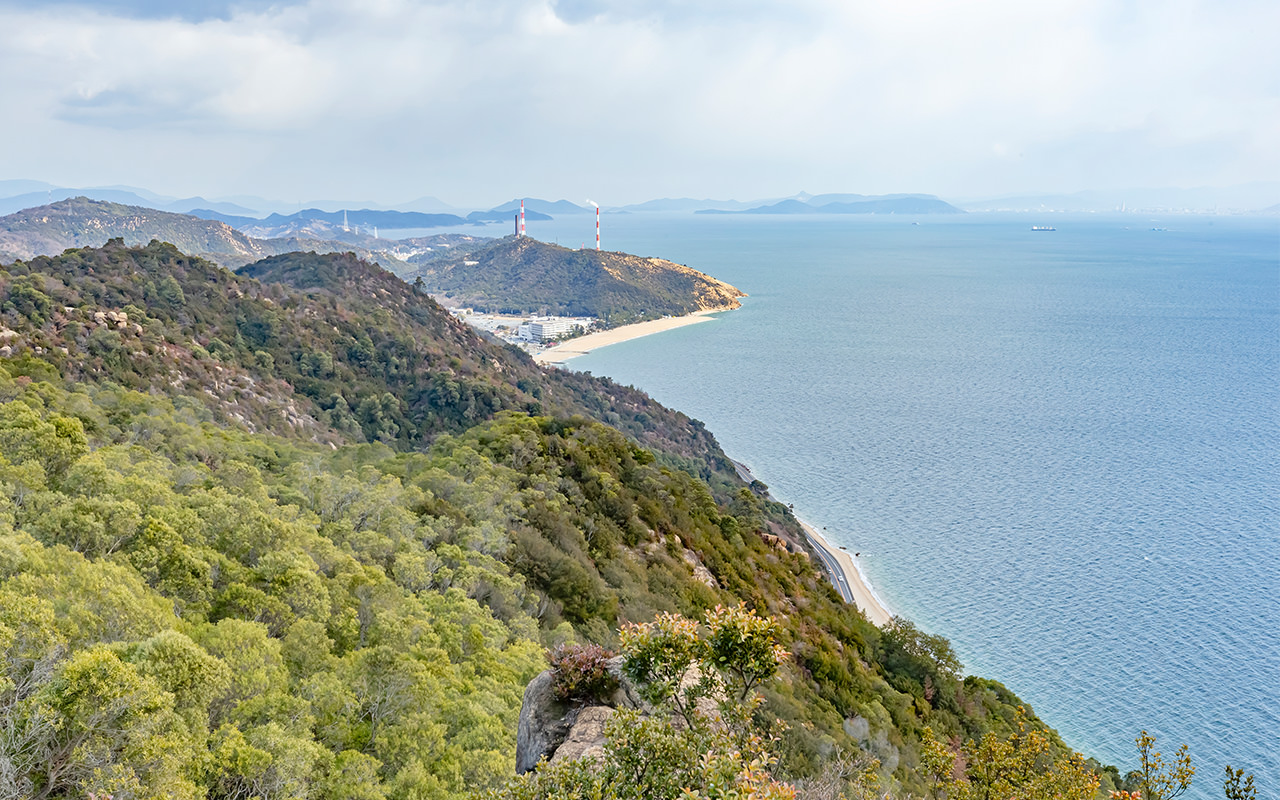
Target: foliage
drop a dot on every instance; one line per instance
(581, 672)
(523, 275)
(1237, 786)
(678, 751)
(1020, 766)
(318, 544)
(1156, 779)
(351, 354)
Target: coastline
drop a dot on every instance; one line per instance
(855, 584)
(848, 579)
(594, 341)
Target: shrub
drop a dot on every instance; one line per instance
(582, 672)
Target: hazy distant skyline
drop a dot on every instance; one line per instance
(474, 103)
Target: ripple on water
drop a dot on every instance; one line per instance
(1063, 453)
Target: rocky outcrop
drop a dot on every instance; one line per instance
(563, 731)
(586, 737)
(544, 724)
(548, 724)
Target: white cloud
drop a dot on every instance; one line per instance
(475, 102)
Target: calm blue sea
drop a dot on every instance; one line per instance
(1059, 449)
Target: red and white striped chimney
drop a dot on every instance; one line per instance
(597, 227)
(522, 218)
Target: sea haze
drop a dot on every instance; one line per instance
(1058, 448)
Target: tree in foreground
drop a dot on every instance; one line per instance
(700, 743)
(1156, 779)
(1018, 767)
(1237, 786)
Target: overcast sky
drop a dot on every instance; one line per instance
(627, 100)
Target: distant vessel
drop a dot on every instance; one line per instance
(1043, 228)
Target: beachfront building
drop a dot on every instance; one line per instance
(546, 330)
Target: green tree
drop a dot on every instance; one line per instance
(1237, 786)
(1020, 766)
(1156, 779)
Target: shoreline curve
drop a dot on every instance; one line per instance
(846, 576)
(623, 333)
(855, 583)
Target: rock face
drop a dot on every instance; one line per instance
(586, 737)
(545, 723)
(563, 731)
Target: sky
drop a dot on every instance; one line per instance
(628, 100)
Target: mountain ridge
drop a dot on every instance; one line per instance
(81, 221)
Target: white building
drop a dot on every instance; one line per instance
(545, 330)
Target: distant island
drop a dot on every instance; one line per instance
(849, 204)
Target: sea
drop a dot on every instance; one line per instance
(1058, 448)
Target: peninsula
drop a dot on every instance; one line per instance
(518, 274)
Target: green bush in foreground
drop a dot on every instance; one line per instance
(700, 744)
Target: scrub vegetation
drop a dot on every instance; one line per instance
(296, 533)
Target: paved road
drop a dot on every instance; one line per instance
(834, 572)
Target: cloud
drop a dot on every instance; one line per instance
(190, 10)
(650, 98)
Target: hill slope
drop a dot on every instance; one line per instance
(337, 347)
(523, 275)
(81, 222)
(312, 534)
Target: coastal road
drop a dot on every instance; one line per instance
(834, 570)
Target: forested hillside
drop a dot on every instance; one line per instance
(312, 540)
(523, 275)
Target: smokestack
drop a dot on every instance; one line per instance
(597, 206)
(522, 230)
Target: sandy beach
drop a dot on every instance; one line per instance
(593, 341)
(855, 587)
(857, 584)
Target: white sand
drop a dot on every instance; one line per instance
(593, 341)
(863, 596)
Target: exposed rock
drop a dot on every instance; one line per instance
(586, 737)
(700, 571)
(775, 542)
(564, 731)
(545, 723)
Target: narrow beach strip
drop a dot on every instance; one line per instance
(847, 572)
(593, 341)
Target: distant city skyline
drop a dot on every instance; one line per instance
(629, 101)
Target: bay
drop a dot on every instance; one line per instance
(1061, 449)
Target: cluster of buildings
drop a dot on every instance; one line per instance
(533, 332)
